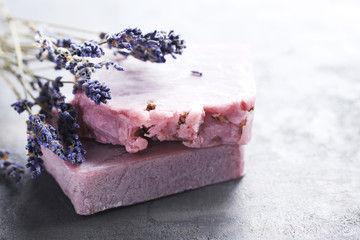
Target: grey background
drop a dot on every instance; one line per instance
(303, 164)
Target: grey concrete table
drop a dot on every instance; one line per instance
(303, 164)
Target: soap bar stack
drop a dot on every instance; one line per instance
(166, 129)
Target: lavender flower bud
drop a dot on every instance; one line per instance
(22, 105)
(45, 134)
(36, 166)
(95, 91)
(67, 128)
(87, 49)
(124, 39)
(10, 168)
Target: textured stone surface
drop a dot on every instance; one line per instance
(303, 167)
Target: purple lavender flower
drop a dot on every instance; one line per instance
(67, 125)
(61, 57)
(45, 134)
(40, 54)
(84, 69)
(78, 86)
(33, 146)
(172, 44)
(67, 118)
(49, 98)
(81, 68)
(87, 49)
(46, 46)
(57, 84)
(44, 99)
(36, 166)
(64, 42)
(10, 168)
(124, 39)
(96, 91)
(49, 95)
(154, 46)
(35, 163)
(22, 105)
(75, 154)
(74, 61)
(150, 47)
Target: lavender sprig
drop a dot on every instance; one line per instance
(22, 105)
(45, 98)
(67, 128)
(149, 47)
(64, 42)
(34, 162)
(125, 39)
(45, 134)
(87, 49)
(40, 134)
(9, 168)
(67, 118)
(96, 91)
(33, 146)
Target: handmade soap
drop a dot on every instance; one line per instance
(169, 102)
(111, 177)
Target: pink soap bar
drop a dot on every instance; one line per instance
(110, 177)
(168, 102)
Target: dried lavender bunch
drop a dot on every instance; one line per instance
(79, 57)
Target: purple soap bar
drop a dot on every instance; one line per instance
(111, 177)
(168, 102)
